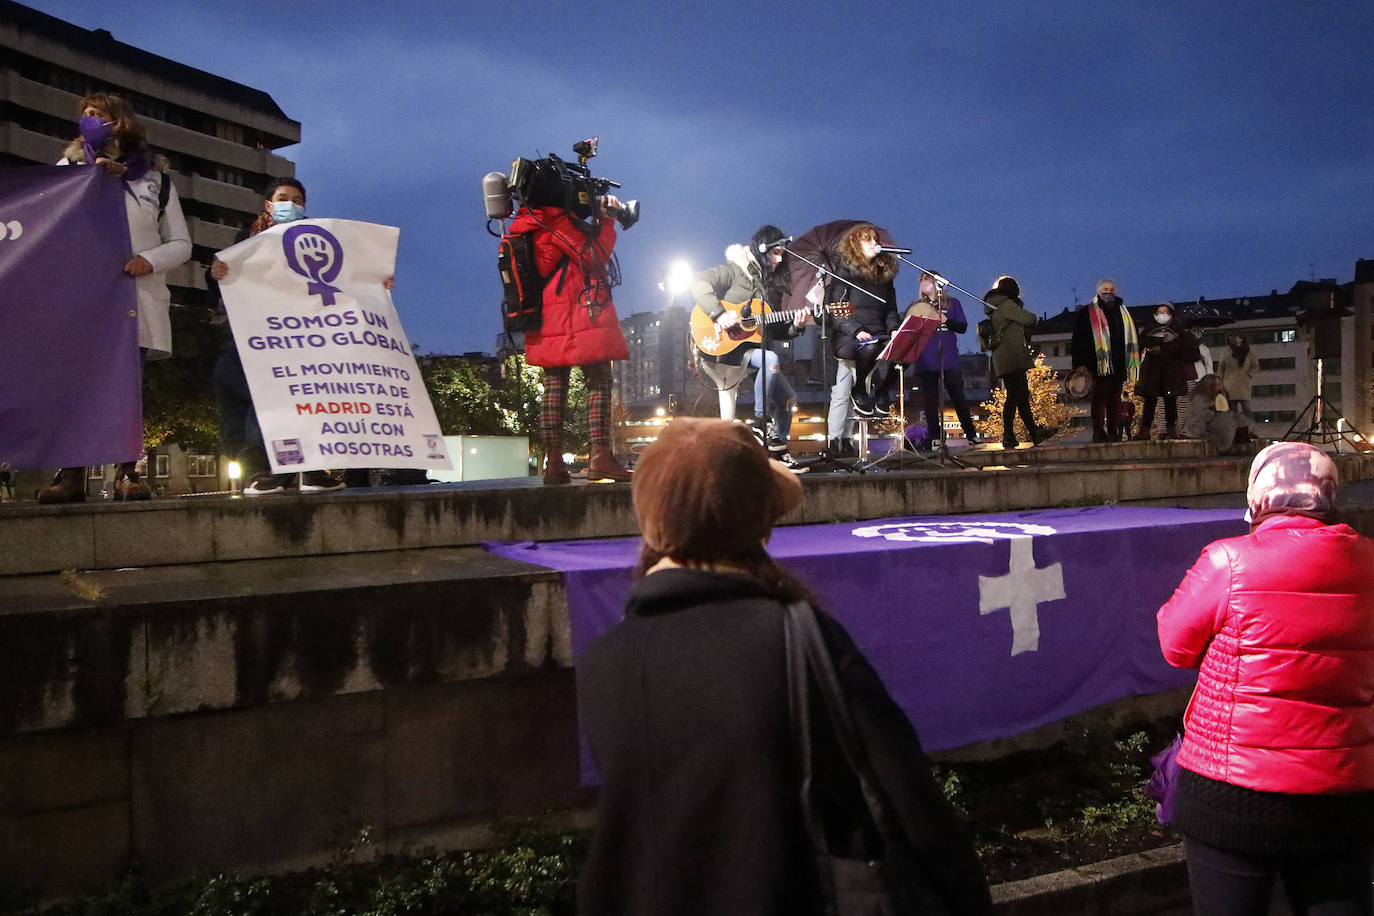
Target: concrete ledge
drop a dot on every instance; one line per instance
(1145, 882)
(187, 531)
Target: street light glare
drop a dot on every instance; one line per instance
(678, 277)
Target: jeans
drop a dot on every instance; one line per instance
(780, 390)
(838, 424)
(1227, 883)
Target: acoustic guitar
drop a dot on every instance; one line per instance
(753, 315)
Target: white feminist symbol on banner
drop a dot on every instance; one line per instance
(1021, 591)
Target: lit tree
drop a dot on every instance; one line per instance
(1046, 404)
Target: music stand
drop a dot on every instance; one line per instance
(907, 343)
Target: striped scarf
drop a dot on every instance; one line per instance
(1102, 342)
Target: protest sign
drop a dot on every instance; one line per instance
(333, 380)
(69, 363)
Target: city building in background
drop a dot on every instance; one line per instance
(220, 137)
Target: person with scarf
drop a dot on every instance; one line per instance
(579, 326)
(1237, 369)
(112, 138)
(685, 707)
(864, 275)
(1276, 766)
(752, 272)
(1011, 359)
(239, 430)
(1166, 368)
(1105, 343)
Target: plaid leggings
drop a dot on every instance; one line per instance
(598, 379)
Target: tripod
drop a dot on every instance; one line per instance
(1319, 428)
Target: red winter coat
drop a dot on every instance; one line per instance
(1282, 623)
(571, 333)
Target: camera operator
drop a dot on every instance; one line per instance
(579, 326)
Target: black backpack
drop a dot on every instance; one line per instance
(522, 303)
(988, 338)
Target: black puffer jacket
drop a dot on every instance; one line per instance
(832, 245)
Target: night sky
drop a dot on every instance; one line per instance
(1186, 149)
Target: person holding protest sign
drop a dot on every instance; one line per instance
(112, 138)
(239, 429)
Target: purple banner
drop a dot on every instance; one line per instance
(982, 626)
(69, 363)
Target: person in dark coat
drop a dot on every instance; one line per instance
(1166, 369)
(1011, 359)
(1105, 343)
(939, 362)
(684, 704)
(849, 248)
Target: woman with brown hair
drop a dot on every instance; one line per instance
(685, 705)
(111, 137)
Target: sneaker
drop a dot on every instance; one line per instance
(320, 482)
(776, 446)
(1042, 433)
(128, 487)
(1009, 442)
(265, 485)
(787, 461)
(863, 405)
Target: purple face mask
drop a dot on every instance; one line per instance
(95, 132)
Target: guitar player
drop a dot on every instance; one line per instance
(751, 272)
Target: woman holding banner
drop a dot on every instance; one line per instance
(239, 430)
(112, 138)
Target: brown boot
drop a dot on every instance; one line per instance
(128, 485)
(601, 465)
(69, 486)
(554, 471)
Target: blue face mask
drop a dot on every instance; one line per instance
(94, 131)
(287, 211)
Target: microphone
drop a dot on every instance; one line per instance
(766, 246)
(883, 249)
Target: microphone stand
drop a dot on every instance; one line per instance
(942, 446)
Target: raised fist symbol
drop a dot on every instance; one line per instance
(315, 254)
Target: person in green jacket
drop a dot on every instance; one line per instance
(1011, 359)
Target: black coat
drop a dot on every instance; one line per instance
(825, 245)
(1167, 370)
(1084, 349)
(684, 704)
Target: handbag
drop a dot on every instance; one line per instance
(1163, 784)
(853, 885)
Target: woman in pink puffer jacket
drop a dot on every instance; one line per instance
(1277, 762)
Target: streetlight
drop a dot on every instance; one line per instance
(677, 278)
(235, 472)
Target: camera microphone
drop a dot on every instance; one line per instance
(768, 246)
(883, 249)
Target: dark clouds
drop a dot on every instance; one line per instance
(1186, 149)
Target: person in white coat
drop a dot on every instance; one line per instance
(112, 138)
